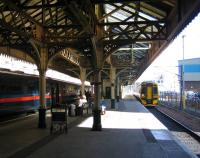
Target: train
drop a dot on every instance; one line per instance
(19, 92)
(148, 93)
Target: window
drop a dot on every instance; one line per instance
(155, 90)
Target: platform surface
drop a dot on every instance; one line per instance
(129, 131)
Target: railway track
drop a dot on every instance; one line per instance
(182, 133)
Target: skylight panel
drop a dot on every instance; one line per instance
(109, 8)
(147, 16)
(112, 19)
(119, 16)
(123, 26)
(130, 9)
(124, 13)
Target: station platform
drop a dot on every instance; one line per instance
(127, 131)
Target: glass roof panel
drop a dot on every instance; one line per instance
(123, 26)
(119, 20)
(146, 16)
(112, 19)
(109, 8)
(124, 13)
(119, 16)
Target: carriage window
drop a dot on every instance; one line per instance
(10, 89)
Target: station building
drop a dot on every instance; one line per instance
(190, 70)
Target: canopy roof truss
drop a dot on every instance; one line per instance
(132, 33)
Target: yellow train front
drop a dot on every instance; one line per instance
(149, 94)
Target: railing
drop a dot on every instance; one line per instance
(172, 99)
(193, 105)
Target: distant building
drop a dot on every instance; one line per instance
(191, 73)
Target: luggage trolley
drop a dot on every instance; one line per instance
(58, 118)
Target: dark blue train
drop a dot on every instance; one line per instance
(19, 92)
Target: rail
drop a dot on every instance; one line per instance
(189, 131)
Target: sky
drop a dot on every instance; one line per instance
(167, 62)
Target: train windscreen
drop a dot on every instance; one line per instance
(155, 90)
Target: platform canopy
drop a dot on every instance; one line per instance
(125, 34)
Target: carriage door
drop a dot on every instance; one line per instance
(149, 94)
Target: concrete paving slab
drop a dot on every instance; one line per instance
(19, 136)
(127, 132)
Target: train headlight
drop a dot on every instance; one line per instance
(142, 95)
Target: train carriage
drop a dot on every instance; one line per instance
(149, 94)
(19, 92)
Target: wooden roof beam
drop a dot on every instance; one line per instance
(112, 12)
(122, 1)
(73, 26)
(13, 6)
(152, 10)
(19, 32)
(86, 25)
(131, 41)
(81, 18)
(72, 44)
(46, 6)
(157, 22)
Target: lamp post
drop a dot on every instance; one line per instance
(182, 101)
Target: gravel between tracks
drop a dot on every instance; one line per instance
(184, 118)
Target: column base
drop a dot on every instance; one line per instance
(42, 118)
(96, 120)
(112, 103)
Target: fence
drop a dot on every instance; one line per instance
(172, 99)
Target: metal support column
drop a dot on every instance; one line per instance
(96, 108)
(83, 78)
(118, 86)
(97, 62)
(42, 108)
(112, 79)
(42, 88)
